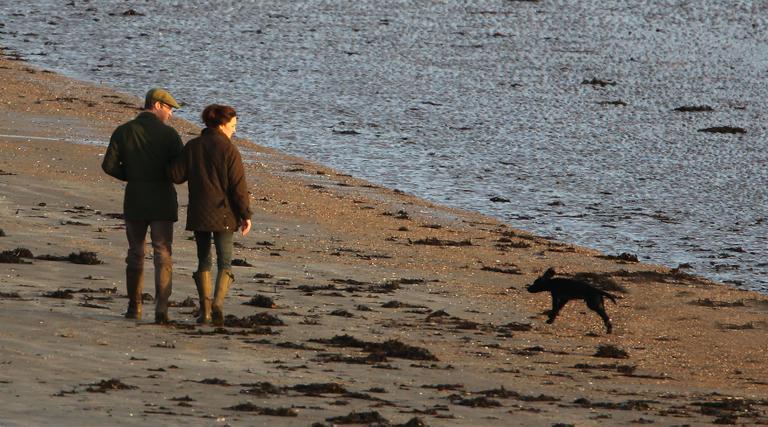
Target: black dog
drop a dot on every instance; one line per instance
(564, 290)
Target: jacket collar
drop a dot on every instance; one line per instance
(215, 133)
(146, 115)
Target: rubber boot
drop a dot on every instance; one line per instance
(223, 280)
(204, 288)
(163, 289)
(134, 282)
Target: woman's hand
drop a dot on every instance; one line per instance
(245, 226)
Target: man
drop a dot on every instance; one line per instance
(139, 152)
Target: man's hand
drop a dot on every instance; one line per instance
(245, 226)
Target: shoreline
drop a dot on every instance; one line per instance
(338, 256)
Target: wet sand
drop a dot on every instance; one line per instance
(384, 308)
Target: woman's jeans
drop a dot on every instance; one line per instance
(223, 242)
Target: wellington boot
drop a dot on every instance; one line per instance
(163, 289)
(223, 280)
(204, 289)
(134, 282)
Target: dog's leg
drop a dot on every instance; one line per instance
(597, 305)
(557, 305)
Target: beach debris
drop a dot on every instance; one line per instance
(434, 241)
(624, 256)
(617, 102)
(91, 305)
(262, 388)
(724, 129)
(519, 327)
(694, 108)
(369, 359)
(61, 294)
(2, 233)
(474, 402)
(104, 386)
(398, 304)
(130, 12)
(4, 173)
(512, 269)
(260, 319)
(341, 313)
(629, 405)
(9, 295)
(15, 256)
(389, 348)
(82, 257)
(261, 301)
(187, 302)
(706, 302)
(237, 262)
(260, 410)
(316, 389)
(214, 381)
(368, 418)
(610, 351)
(598, 82)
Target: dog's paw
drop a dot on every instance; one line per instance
(550, 321)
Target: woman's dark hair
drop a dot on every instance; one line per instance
(216, 115)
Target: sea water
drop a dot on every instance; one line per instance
(563, 112)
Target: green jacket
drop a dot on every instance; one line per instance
(139, 152)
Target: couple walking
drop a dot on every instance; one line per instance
(148, 154)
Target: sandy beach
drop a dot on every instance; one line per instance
(353, 304)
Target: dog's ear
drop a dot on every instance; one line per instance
(550, 273)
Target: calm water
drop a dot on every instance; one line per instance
(459, 102)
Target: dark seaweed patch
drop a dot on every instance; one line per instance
(11, 257)
(61, 294)
(389, 348)
(260, 319)
(370, 359)
(262, 389)
(104, 386)
(694, 109)
(433, 241)
(706, 302)
(275, 412)
(188, 302)
(474, 402)
(237, 262)
(315, 389)
(9, 295)
(369, 418)
(724, 129)
(82, 257)
(629, 405)
(624, 256)
(512, 269)
(398, 304)
(261, 301)
(341, 313)
(611, 351)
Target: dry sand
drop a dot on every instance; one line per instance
(389, 309)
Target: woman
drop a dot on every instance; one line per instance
(218, 203)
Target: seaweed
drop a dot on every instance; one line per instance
(389, 348)
(106, 385)
(261, 301)
(260, 319)
(371, 417)
(610, 351)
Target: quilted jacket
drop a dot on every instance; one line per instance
(218, 192)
